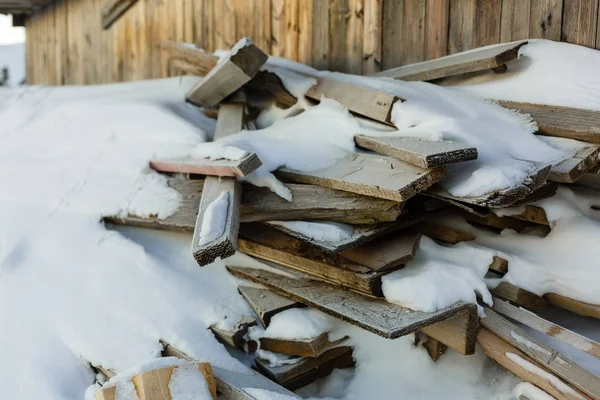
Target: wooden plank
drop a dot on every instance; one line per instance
(354, 37)
(551, 359)
(313, 368)
(419, 152)
(370, 175)
(412, 43)
(272, 246)
(266, 303)
(515, 19)
(443, 233)
(236, 336)
(457, 64)
(487, 26)
(338, 25)
(305, 32)
(200, 62)
(434, 348)
(278, 27)
(549, 328)
(572, 123)
(461, 32)
(320, 34)
(579, 22)
(375, 315)
(234, 385)
(113, 11)
(520, 297)
(499, 265)
(206, 166)
(437, 19)
(367, 102)
(302, 347)
(371, 62)
(572, 169)
(524, 367)
(291, 30)
(387, 252)
(590, 179)
(154, 384)
(240, 66)
(533, 214)
(546, 19)
(578, 307)
(392, 32)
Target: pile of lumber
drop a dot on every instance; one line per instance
(385, 198)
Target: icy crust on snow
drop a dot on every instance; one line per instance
(215, 219)
(546, 72)
(321, 231)
(440, 276)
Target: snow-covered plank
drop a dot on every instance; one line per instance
(454, 326)
(499, 198)
(572, 123)
(551, 359)
(306, 370)
(549, 328)
(303, 347)
(443, 233)
(499, 265)
(387, 252)
(590, 179)
(113, 11)
(354, 235)
(572, 169)
(266, 303)
(234, 385)
(370, 175)
(364, 101)
(576, 306)
(521, 297)
(524, 367)
(469, 61)
(235, 336)
(205, 166)
(270, 245)
(419, 152)
(195, 61)
(230, 74)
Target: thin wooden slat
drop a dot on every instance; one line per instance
(200, 62)
(436, 28)
(422, 153)
(266, 303)
(354, 37)
(487, 26)
(370, 175)
(524, 367)
(392, 33)
(519, 297)
(579, 22)
(372, 36)
(291, 30)
(338, 25)
(572, 123)
(545, 19)
(578, 307)
(553, 360)
(570, 170)
(375, 315)
(540, 324)
(114, 10)
(434, 348)
(412, 46)
(262, 25)
(457, 64)
(320, 34)
(218, 25)
(206, 166)
(305, 32)
(461, 32)
(515, 20)
(303, 347)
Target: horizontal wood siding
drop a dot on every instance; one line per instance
(67, 46)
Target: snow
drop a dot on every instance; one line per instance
(320, 231)
(226, 153)
(215, 219)
(546, 72)
(530, 392)
(13, 57)
(188, 383)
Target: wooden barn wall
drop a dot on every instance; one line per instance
(67, 45)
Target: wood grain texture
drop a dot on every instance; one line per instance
(320, 34)
(419, 152)
(572, 123)
(206, 166)
(154, 384)
(434, 348)
(551, 359)
(392, 32)
(367, 102)
(199, 62)
(114, 10)
(412, 43)
(503, 353)
(436, 29)
(546, 19)
(520, 297)
(443, 233)
(266, 303)
(302, 347)
(572, 169)
(228, 77)
(579, 22)
(515, 20)
(540, 324)
(371, 53)
(353, 60)
(375, 315)
(461, 31)
(339, 14)
(456, 64)
(370, 175)
(576, 306)
(234, 337)
(488, 19)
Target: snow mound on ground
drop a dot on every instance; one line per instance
(13, 57)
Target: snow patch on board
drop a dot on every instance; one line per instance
(215, 219)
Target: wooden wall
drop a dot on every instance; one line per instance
(66, 44)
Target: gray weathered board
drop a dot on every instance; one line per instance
(303, 347)
(456, 64)
(521, 225)
(266, 303)
(230, 120)
(307, 369)
(234, 337)
(235, 385)
(360, 233)
(375, 315)
(443, 233)
(549, 328)
(206, 166)
(113, 10)
(419, 152)
(572, 123)
(572, 169)
(499, 198)
(364, 101)
(370, 175)
(551, 359)
(228, 75)
(260, 204)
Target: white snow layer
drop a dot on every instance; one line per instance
(12, 56)
(321, 231)
(215, 219)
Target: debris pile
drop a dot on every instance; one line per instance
(336, 238)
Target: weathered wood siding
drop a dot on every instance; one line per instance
(66, 44)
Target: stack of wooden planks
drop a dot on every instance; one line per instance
(379, 202)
